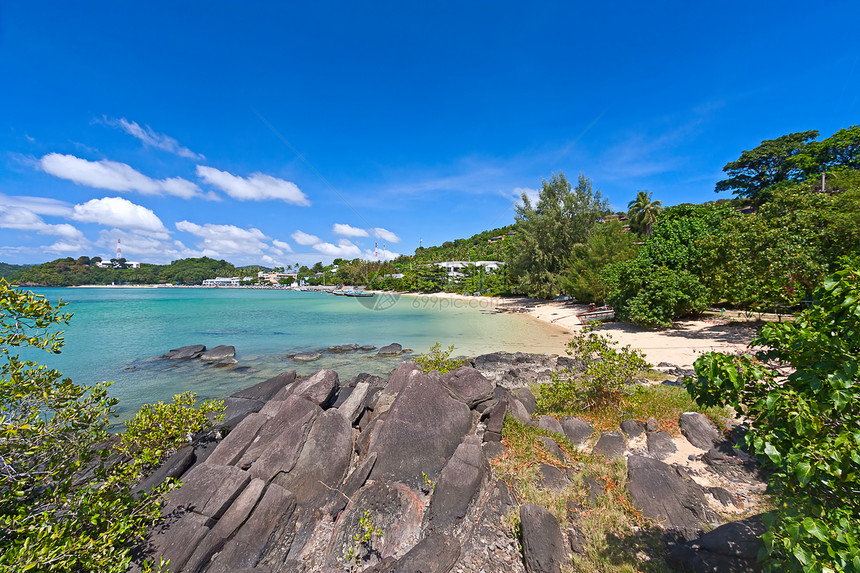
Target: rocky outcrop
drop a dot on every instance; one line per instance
(392, 349)
(543, 544)
(218, 353)
(698, 430)
(185, 352)
(730, 548)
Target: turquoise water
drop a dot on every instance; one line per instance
(117, 334)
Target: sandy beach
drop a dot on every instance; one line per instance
(679, 345)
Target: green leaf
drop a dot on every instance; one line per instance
(803, 471)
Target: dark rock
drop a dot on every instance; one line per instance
(281, 451)
(436, 553)
(724, 496)
(391, 350)
(576, 430)
(651, 425)
(633, 428)
(698, 430)
(493, 450)
(225, 527)
(725, 462)
(284, 415)
(353, 407)
(185, 352)
(458, 484)
(552, 447)
(208, 490)
(323, 462)
(344, 348)
(494, 419)
(319, 388)
(178, 538)
(218, 353)
(393, 508)
(517, 410)
(551, 424)
(567, 363)
(485, 405)
(396, 383)
(730, 548)
(264, 391)
(576, 540)
(368, 347)
(306, 356)
(595, 490)
(172, 467)
(354, 481)
(525, 396)
(543, 544)
(237, 409)
(233, 446)
(660, 445)
(267, 530)
(421, 431)
(611, 444)
(551, 478)
(467, 385)
(662, 494)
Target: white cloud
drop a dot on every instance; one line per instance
(219, 240)
(306, 239)
(122, 213)
(73, 247)
(257, 187)
(385, 235)
(26, 220)
(38, 205)
(282, 246)
(344, 249)
(348, 231)
(532, 194)
(149, 137)
(115, 176)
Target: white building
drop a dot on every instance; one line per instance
(222, 282)
(454, 269)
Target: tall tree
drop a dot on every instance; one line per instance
(642, 212)
(772, 162)
(548, 230)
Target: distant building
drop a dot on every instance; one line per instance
(454, 269)
(275, 278)
(222, 282)
(115, 265)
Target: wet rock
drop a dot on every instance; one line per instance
(664, 495)
(660, 445)
(226, 362)
(576, 430)
(368, 347)
(458, 484)
(391, 350)
(633, 428)
(698, 430)
(611, 444)
(185, 352)
(306, 356)
(551, 424)
(731, 548)
(344, 348)
(543, 544)
(467, 385)
(421, 431)
(219, 353)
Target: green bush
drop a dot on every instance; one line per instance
(604, 378)
(802, 395)
(63, 505)
(438, 360)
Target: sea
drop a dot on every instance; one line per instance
(120, 334)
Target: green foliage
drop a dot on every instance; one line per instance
(438, 360)
(64, 504)
(772, 162)
(606, 243)
(364, 541)
(642, 213)
(802, 395)
(604, 379)
(547, 231)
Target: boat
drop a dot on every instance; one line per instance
(598, 314)
(357, 293)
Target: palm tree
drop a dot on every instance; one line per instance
(642, 212)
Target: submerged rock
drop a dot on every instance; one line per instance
(185, 352)
(219, 353)
(306, 356)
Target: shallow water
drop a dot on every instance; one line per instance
(117, 334)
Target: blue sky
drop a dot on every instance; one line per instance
(281, 133)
